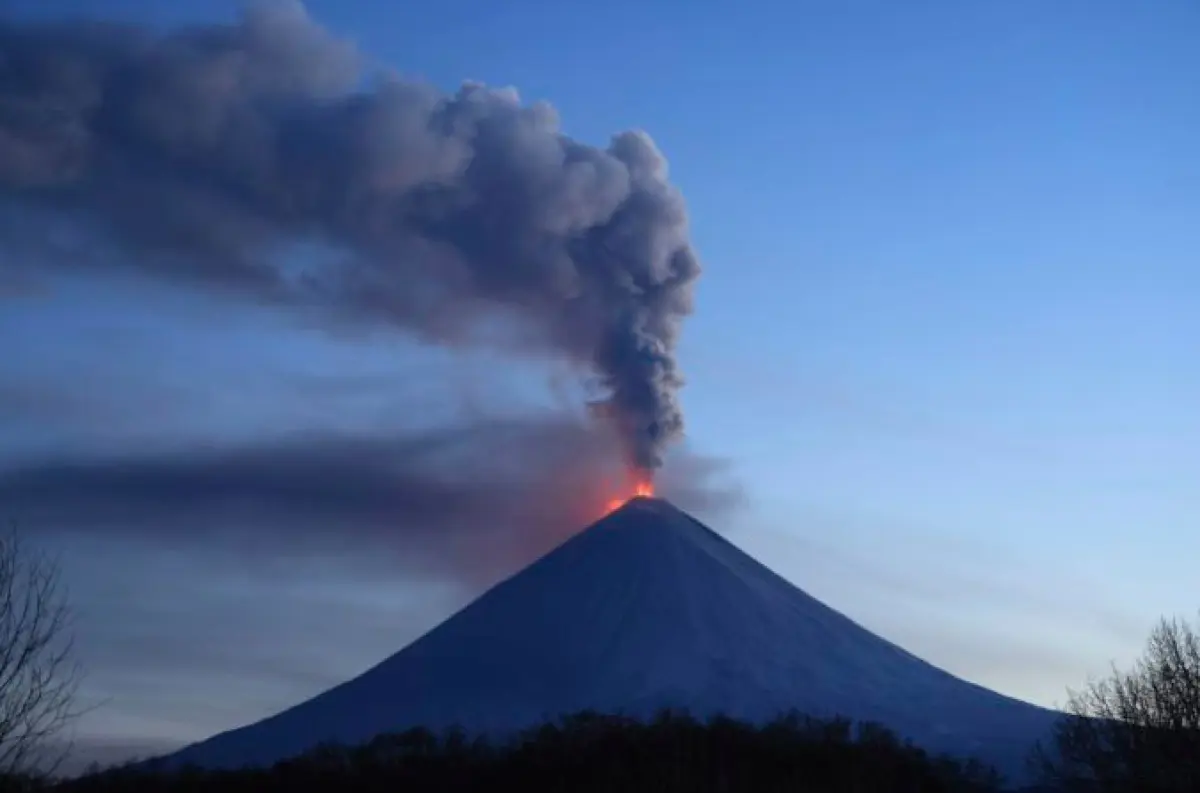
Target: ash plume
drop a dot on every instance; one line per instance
(473, 499)
(262, 159)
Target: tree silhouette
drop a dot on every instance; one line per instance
(38, 680)
(1137, 729)
(593, 753)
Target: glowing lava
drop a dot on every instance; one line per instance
(643, 487)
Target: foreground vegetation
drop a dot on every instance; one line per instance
(596, 753)
(1137, 729)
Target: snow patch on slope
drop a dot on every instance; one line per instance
(646, 608)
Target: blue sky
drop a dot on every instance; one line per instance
(944, 337)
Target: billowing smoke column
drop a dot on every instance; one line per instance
(260, 158)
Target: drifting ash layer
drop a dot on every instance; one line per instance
(646, 608)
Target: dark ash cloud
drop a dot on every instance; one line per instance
(473, 501)
(259, 158)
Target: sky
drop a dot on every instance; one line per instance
(938, 371)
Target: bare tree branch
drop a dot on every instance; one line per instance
(1137, 729)
(38, 679)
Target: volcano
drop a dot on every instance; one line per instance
(645, 609)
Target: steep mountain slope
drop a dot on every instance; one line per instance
(644, 609)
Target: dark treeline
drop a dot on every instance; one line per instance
(674, 752)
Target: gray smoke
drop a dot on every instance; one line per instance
(260, 158)
(475, 499)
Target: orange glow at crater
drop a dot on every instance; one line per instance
(642, 487)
